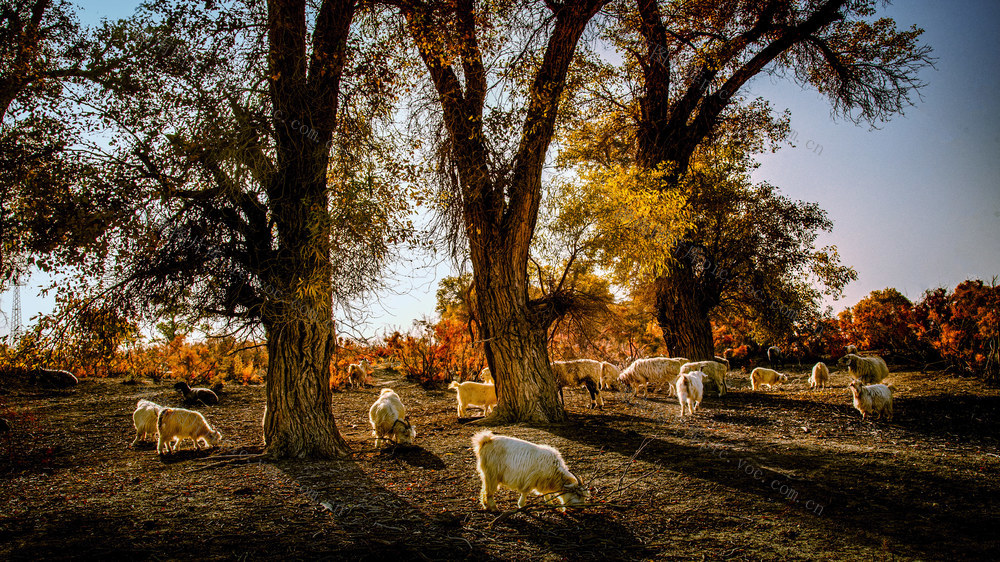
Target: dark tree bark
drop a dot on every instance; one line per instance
(682, 309)
(500, 214)
(297, 307)
(298, 421)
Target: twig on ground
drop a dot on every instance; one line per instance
(237, 459)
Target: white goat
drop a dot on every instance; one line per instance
(357, 373)
(486, 375)
(577, 372)
(389, 420)
(872, 399)
(762, 375)
(716, 372)
(690, 390)
(197, 395)
(524, 467)
(655, 370)
(820, 375)
(144, 418)
(176, 424)
(851, 348)
(868, 370)
(472, 393)
(609, 375)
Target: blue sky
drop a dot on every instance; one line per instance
(915, 204)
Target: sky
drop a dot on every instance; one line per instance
(915, 203)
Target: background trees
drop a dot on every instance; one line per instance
(269, 195)
(747, 252)
(684, 65)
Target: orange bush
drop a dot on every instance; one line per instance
(348, 352)
(963, 327)
(881, 321)
(437, 352)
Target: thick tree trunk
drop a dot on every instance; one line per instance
(500, 207)
(298, 419)
(516, 349)
(682, 313)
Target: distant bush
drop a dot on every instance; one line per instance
(435, 353)
(963, 327)
(882, 321)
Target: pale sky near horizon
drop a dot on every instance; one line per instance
(915, 204)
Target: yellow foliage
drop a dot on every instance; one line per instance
(633, 220)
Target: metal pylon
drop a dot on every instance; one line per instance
(15, 315)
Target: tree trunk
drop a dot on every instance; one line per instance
(298, 419)
(682, 313)
(515, 347)
(500, 207)
(297, 312)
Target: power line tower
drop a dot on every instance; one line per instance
(15, 315)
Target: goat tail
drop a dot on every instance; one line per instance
(480, 439)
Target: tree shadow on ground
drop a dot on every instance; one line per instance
(944, 415)
(379, 520)
(575, 534)
(415, 455)
(849, 488)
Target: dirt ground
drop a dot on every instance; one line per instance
(786, 474)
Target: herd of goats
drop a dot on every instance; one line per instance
(520, 465)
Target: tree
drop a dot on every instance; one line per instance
(256, 186)
(881, 321)
(690, 60)
(50, 204)
(748, 251)
(497, 188)
(964, 327)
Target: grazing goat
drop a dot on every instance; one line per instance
(577, 372)
(715, 371)
(655, 370)
(144, 418)
(724, 361)
(524, 467)
(472, 393)
(486, 375)
(389, 420)
(690, 389)
(609, 376)
(197, 395)
(820, 375)
(176, 424)
(762, 375)
(57, 378)
(872, 399)
(851, 348)
(775, 358)
(357, 374)
(869, 370)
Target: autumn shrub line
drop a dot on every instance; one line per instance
(957, 330)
